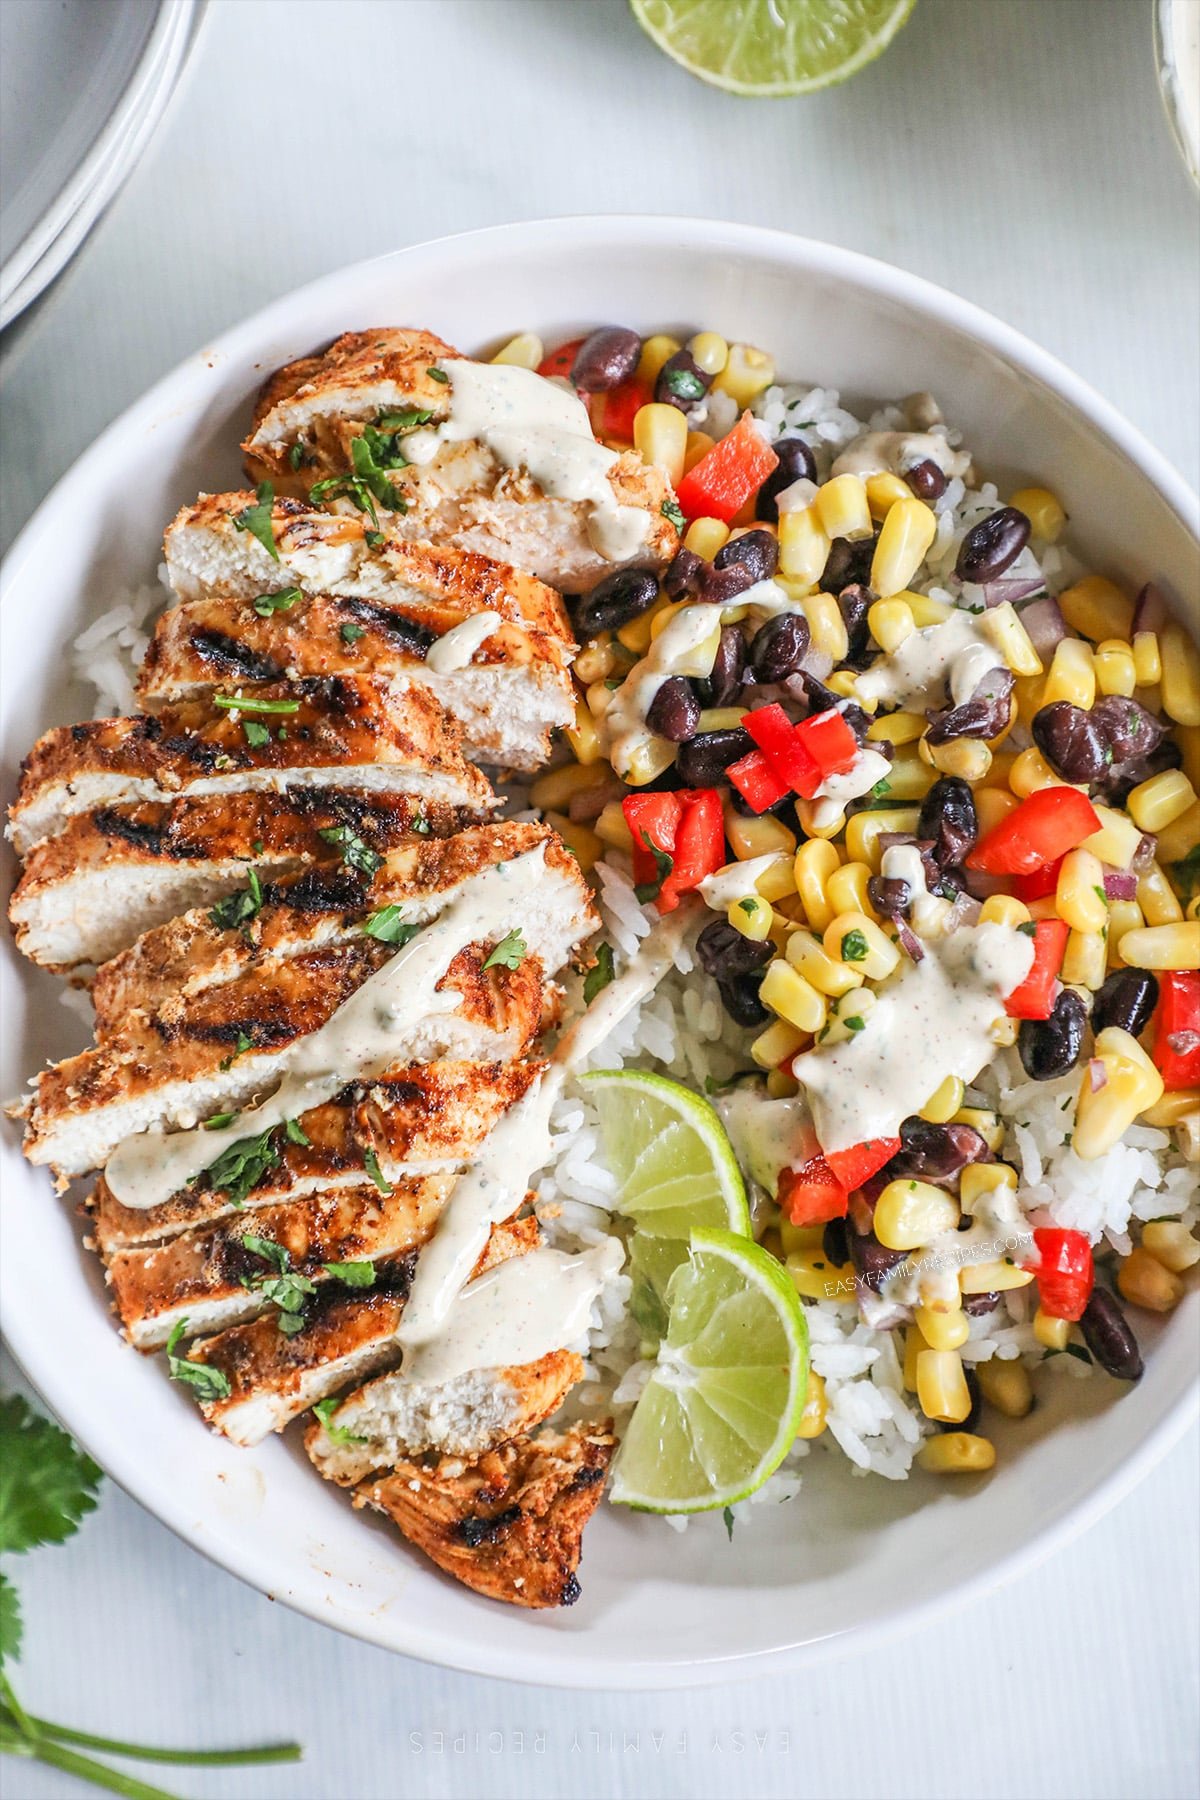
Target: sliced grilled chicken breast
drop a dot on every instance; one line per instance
(511, 1525)
(346, 732)
(272, 1378)
(392, 1418)
(109, 875)
(422, 1119)
(347, 413)
(216, 1276)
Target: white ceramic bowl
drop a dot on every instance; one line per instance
(852, 1556)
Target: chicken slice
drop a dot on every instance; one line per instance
(510, 1525)
(348, 411)
(421, 1119)
(346, 732)
(110, 875)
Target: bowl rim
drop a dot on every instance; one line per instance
(426, 1639)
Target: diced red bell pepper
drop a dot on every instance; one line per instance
(1039, 831)
(1065, 1274)
(689, 827)
(1176, 1050)
(1034, 997)
(757, 782)
(615, 411)
(830, 742)
(857, 1164)
(727, 475)
(812, 1193)
(1039, 883)
(779, 740)
(562, 360)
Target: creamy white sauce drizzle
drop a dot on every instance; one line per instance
(998, 1229)
(836, 791)
(456, 647)
(927, 912)
(530, 423)
(892, 452)
(736, 881)
(930, 1020)
(358, 1042)
(767, 1135)
(915, 676)
(687, 645)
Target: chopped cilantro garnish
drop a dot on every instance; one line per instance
(296, 455)
(240, 907)
(388, 926)
(599, 975)
(509, 953)
(352, 1274)
(243, 1044)
(854, 947)
(685, 384)
(256, 735)
(242, 703)
(672, 510)
(206, 1382)
(663, 864)
(355, 853)
(437, 375)
(256, 519)
(350, 634)
(242, 1166)
(371, 1165)
(337, 1434)
(283, 601)
(1028, 927)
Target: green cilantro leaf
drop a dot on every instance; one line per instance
(242, 1166)
(421, 826)
(371, 1164)
(599, 975)
(257, 736)
(854, 947)
(47, 1484)
(239, 907)
(219, 1120)
(244, 703)
(256, 519)
(283, 601)
(437, 375)
(663, 864)
(354, 488)
(294, 1133)
(350, 634)
(1028, 928)
(881, 788)
(206, 1382)
(509, 953)
(855, 1024)
(370, 471)
(685, 384)
(672, 510)
(727, 1516)
(268, 1250)
(1185, 874)
(396, 423)
(243, 1044)
(388, 926)
(10, 1622)
(749, 906)
(337, 1434)
(295, 456)
(352, 1274)
(355, 853)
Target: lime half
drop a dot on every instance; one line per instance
(772, 47)
(669, 1151)
(723, 1405)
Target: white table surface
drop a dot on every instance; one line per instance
(1011, 149)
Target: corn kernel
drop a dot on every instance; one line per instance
(897, 728)
(697, 447)
(814, 1276)
(1161, 800)
(1044, 511)
(846, 889)
(843, 508)
(943, 1103)
(968, 758)
(942, 1330)
(612, 827)
(890, 622)
(1174, 946)
(827, 628)
(848, 1015)
(1180, 675)
(777, 1044)
(814, 863)
(1072, 675)
(599, 697)
(914, 1343)
(904, 540)
(1079, 895)
(777, 881)
(942, 1391)
(911, 1213)
(1053, 1332)
(1116, 672)
(1085, 960)
(660, 437)
(525, 351)
(993, 1277)
(844, 683)
(819, 819)
(1124, 916)
(1003, 909)
(828, 974)
(1147, 661)
(583, 737)
(781, 1085)
(925, 609)
(1002, 625)
(709, 351)
(993, 804)
(1132, 1083)
(1027, 692)
(635, 634)
(651, 758)
(978, 1179)
(799, 1237)
(656, 351)
(803, 547)
(1006, 1386)
(1171, 1244)
(1187, 1136)
(597, 661)
(812, 1419)
(763, 836)
(1145, 1282)
(909, 778)
(747, 373)
(988, 1124)
(1097, 609)
(883, 491)
(787, 993)
(583, 843)
(720, 718)
(553, 791)
(704, 537)
(1117, 840)
(1187, 737)
(864, 830)
(1180, 837)
(1031, 772)
(751, 917)
(1003, 1032)
(854, 938)
(1157, 898)
(957, 1453)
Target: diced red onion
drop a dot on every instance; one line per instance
(1011, 588)
(1120, 884)
(876, 1310)
(817, 664)
(888, 839)
(964, 911)
(1145, 853)
(1045, 624)
(1150, 612)
(589, 803)
(1182, 1043)
(910, 941)
(982, 886)
(1097, 1074)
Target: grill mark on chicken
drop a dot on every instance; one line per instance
(230, 657)
(406, 633)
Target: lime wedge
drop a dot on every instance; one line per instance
(723, 1405)
(670, 1154)
(772, 47)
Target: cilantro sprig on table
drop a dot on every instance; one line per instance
(47, 1487)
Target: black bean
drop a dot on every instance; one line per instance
(723, 952)
(972, 1418)
(889, 896)
(796, 463)
(873, 1261)
(740, 999)
(719, 587)
(993, 545)
(1107, 1334)
(1127, 1000)
(984, 715)
(724, 682)
(606, 359)
(620, 597)
(683, 574)
(784, 808)
(936, 1152)
(834, 1242)
(779, 646)
(1128, 729)
(848, 564)
(822, 699)
(702, 761)
(854, 603)
(757, 551)
(1051, 1047)
(1119, 779)
(925, 479)
(681, 381)
(674, 712)
(1071, 740)
(976, 1305)
(949, 820)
